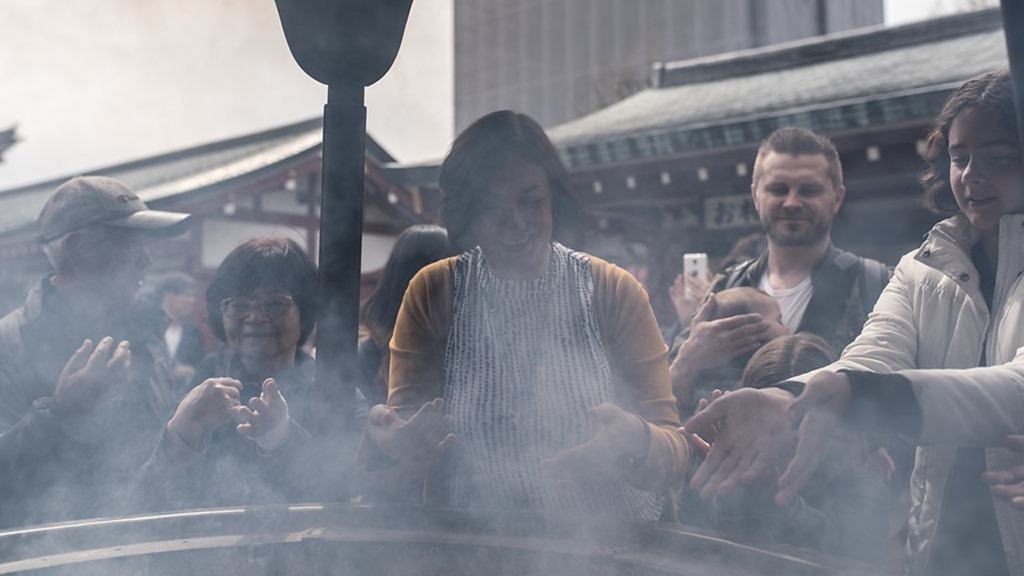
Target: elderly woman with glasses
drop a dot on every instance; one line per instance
(236, 420)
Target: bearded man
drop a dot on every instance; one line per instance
(797, 189)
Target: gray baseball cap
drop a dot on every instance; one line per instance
(93, 200)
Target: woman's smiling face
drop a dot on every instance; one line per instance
(263, 323)
(514, 224)
(985, 169)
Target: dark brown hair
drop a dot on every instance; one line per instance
(416, 247)
(786, 357)
(991, 91)
(274, 263)
(480, 152)
(799, 142)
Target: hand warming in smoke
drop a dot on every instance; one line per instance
(90, 374)
(750, 435)
(206, 407)
(817, 411)
(414, 444)
(696, 442)
(1009, 484)
(618, 437)
(265, 420)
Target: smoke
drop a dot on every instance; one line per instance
(176, 78)
(98, 474)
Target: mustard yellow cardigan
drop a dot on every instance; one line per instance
(636, 354)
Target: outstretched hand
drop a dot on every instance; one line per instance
(617, 435)
(91, 372)
(1009, 484)
(817, 411)
(265, 420)
(416, 443)
(750, 436)
(696, 442)
(212, 403)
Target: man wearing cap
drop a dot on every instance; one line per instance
(84, 381)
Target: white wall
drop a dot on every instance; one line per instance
(221, 236)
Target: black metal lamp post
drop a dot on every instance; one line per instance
(347, 45)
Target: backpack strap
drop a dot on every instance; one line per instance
(873, 279)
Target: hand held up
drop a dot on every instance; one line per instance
(91, 373)
(209, 405)
(265, 420)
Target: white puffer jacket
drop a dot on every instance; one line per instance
(933, 315)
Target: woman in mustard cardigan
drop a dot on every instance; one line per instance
(533, 374)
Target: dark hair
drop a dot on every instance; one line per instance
(991, 91)
(798, 142)
(786, 357)
(479, 152)
(416, 247)
(274, 263)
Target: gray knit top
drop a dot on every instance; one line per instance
(524, 363)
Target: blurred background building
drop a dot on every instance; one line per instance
(667, 170)
(656, 106)
(559, 59)
(259, 184)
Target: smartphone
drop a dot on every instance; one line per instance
(695, 265)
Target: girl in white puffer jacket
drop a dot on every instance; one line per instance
(938, 360)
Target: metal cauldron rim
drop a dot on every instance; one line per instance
(669, 548)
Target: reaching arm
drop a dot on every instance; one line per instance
(888, 342)
(417, 344)
(637, 355)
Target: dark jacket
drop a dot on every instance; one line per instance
(846, 287)
(233, 470)
(54, 469)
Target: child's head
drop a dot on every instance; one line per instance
(786, 357)
(743, 300)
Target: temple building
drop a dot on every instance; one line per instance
(236, 189)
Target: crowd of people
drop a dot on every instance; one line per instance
(502, 369)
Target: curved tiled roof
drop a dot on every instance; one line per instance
(165, 176)
(859, 69)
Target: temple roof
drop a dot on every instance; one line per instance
(871, 77)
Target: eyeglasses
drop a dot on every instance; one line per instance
(273, 306)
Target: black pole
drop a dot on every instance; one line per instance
(341, 223)
(1013, 27)
(347, 45)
